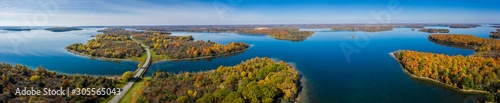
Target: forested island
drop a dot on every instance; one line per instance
(469, 73)
(109, 45)
(495, 34)
(117, 43)
(20, 76)
(255, 80)
(484, 47)
(63, 29)
(183, 47)
(366, 28)
(291, 34)
(463, 25)
(432, 30)
(16, 29)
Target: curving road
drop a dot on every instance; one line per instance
(137, 74)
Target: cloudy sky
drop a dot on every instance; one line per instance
(220, 12)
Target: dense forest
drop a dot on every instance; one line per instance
(465, 72)
(367, 28)
(182, 47)
(19, 76)
(495, 34)
(484, 47)
(255, 80)
(292, 34)
(432, 30)
(110, 46)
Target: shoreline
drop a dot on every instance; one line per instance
(436, 81)
(301, 93)
(102, 58)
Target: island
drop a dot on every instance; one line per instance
(292, 34)
(16, 29)
(166, 46)
(365, 28)
(484, 47)
(495, 34)
(432, 30)
(463, 25)
(124, 44)
(63, 29)
(255, 80)
(17, 77)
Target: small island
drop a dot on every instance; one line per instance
(63, 29)
(495, 34)
(258, 80)
(19, 76)
(291, 34)
(463, 25)
(365, 28)
(16, 29)
(432, 30)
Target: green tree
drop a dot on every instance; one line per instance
(126, 76)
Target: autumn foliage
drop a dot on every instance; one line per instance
(282, 33)
(181, 47)
(255, 80)
(483, 46)
(465, 72)
(19, 76)
(110, 46)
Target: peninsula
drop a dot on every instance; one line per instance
(254, 80)
(476, 73)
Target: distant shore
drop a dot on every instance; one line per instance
(435, 81)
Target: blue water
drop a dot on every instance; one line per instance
(369, 74)
(44, 48)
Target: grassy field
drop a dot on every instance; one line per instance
(153, 54)
(133, 92)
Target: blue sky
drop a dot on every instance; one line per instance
(220, 12)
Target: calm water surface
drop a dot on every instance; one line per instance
(368, 75)
(45, 48)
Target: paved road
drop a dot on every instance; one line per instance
(130, 83)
